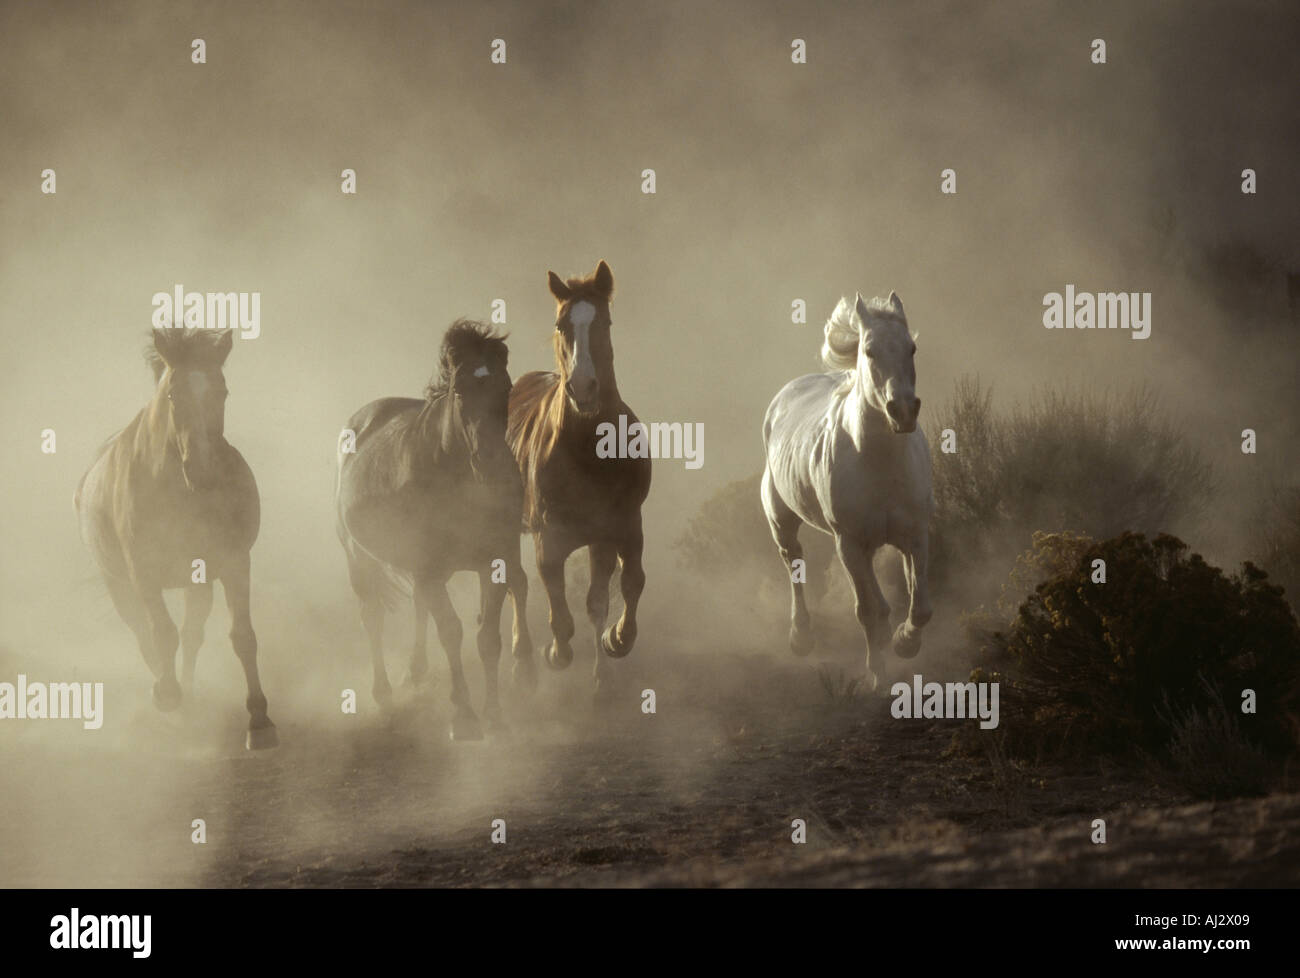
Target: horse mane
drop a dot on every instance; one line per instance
(189, 345)
(843, 329)
(465, 338)
(585, 287)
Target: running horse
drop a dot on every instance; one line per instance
(428, 488)
(572, 497)
(844, 455)
(165, 493)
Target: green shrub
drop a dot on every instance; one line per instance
(1103, 667)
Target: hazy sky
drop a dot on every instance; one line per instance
(775, 181)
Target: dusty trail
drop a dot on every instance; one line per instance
(702, 793)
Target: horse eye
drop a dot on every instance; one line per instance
(914, 348)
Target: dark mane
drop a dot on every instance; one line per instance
(466, 339)
(185, 346)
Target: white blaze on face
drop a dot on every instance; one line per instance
(481, 372)
(582, 371)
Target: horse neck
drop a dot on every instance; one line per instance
(435, 431)
(563, 417)
(861, 417)
(155, 438)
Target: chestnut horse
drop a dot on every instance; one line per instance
(428, 488)
(166, 492)
(572, 497)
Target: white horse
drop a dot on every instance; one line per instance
(844, 455)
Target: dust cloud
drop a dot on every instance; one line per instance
(775, 182)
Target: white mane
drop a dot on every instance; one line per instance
(840, 347)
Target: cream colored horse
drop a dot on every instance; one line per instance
(844, 454)
(168, 490)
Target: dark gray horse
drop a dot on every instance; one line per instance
(427, 488)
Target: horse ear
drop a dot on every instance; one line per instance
(224, 342)
(894, 302)
(162, 344)
(604, 279)
(860, 307)
(558, 288)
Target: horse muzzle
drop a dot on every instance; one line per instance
(902, 415)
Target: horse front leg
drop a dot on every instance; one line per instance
(464, 722)
(235, 582)
(164, 638)
(618, 640)
(907, 637)
(869, 605)
(491, 597)
(552, 552)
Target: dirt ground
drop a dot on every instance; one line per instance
(702, 793)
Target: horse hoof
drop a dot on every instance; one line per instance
(166, 696)
(262, 738)
(466, 727)
(610, 643)
(907, 643)
(496, 725)
(558, 656)
(383, 696)
(802, 640)
(525, 675)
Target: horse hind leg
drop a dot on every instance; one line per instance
(131, 610)
(464, 722)
(418, 668)
(198, 605)
(367, 578)
(784, 524)
(603, 558)
(492, 596)
(521, 648)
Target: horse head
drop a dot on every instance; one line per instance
(584, 352)
(472, 370)
(873, 338)
(191, 398)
